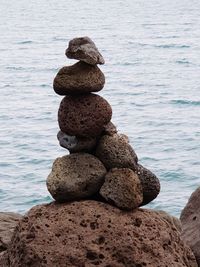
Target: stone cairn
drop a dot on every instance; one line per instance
(101, 165)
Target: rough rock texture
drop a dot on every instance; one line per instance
(109, 129)
(89, 233)
(171, 219)
(84, 115)
(8, 222)
(115, 152)
(190, 219)
(78, 78)
(150, 184)
(75, 176)
(74, 144)
(84, 49)
(122, 188)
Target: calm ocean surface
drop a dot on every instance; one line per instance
(152, 53)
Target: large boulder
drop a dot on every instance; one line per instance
(190, 219)
(78, 78)
(84, 49)
(84, 115)
(89, 233)
(122, 188)
(8, 222)
(115, 152)
(75, 176)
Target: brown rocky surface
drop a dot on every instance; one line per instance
(8, 222)
(76, 144)
(84, 49)
(171, 219)
(78, 78)
(84, 115)
(115, 152)
(150, 184)
(190, 219)
(89, 233)
(122, 188)
(109, 129)
(75, 176)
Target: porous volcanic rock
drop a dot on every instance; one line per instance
(122, 188)
(84, 49)
(109, 129)
(8, 222)
(89, 233)
(171, 219)
(76, 144)
(115, 152)
(150, 184)
(75, 176)
(78, 78)
(84, 115)
(190, 219)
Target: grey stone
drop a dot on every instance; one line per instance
(76, 144)
(8, 222)
(190, 219)
(84, 49)
(75, 176)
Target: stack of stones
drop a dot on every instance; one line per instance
(101, 165)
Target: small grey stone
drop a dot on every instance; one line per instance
(84, 49)
(75, 176)
(122, 187)
(115, 152)
(76, 144)
(8, 222)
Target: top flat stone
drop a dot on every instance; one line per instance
(84, 49)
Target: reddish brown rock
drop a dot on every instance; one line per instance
(78, 78)
(190, 219)
(150, 184)
(89, 233)
(115, 152)
(75, 176)
(84, 115)
(8, 222)
(122, 188)
(74, 144)
(84, 49)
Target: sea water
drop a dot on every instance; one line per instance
(152, 54)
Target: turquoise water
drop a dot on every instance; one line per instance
(152, 73)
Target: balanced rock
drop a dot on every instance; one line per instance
(115, 152)
(150, 184)
(84, 115)
(122, 188)
(78, 78)
(75, 176)
(109, 129)
(89, 233)
(76, 144)
(8, 222)
(84, 49)
(190, 219)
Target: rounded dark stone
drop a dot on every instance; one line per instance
(150, 184)
(84, 115)
(78, 78)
